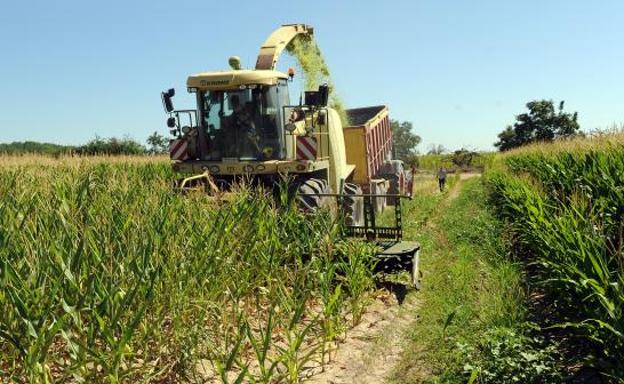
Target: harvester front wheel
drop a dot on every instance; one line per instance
(308, 191)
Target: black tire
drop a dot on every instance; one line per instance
(352, 206)
(312, 186)
(322, 187)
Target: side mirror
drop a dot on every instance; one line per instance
(323, 95)
(166, 100)
(318, 98)
(311, 98)
(171, 122)
(290, 127)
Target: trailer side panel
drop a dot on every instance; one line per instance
(368, 141)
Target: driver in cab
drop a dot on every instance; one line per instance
(242, 129)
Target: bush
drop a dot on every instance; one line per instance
(111, 146)
(506, 355)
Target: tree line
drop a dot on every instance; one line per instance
(405, 143)
(405, 147)
(97, 146)
(542, 122)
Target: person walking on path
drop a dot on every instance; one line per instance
(441, 178)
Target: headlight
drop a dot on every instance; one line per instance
(186, 129)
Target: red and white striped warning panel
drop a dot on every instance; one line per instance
(306, 148)
(178, 149)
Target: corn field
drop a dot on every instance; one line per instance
(565, 205)
(108, 276)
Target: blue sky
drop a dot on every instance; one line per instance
(458, 70)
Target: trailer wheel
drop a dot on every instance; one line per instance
(352, 206)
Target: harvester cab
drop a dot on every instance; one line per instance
(244, 126)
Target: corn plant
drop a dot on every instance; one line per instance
(108, 276)
(357, 268)
(566, 209)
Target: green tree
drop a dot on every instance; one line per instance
(463, 157)
(541, 123)
(404, 141)
(111, 146)
(158, 143)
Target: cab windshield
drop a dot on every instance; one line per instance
(245, 124)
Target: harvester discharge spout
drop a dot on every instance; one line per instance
(277, 42)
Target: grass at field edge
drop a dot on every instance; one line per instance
(471, 326)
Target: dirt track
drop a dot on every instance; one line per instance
(372, 349)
